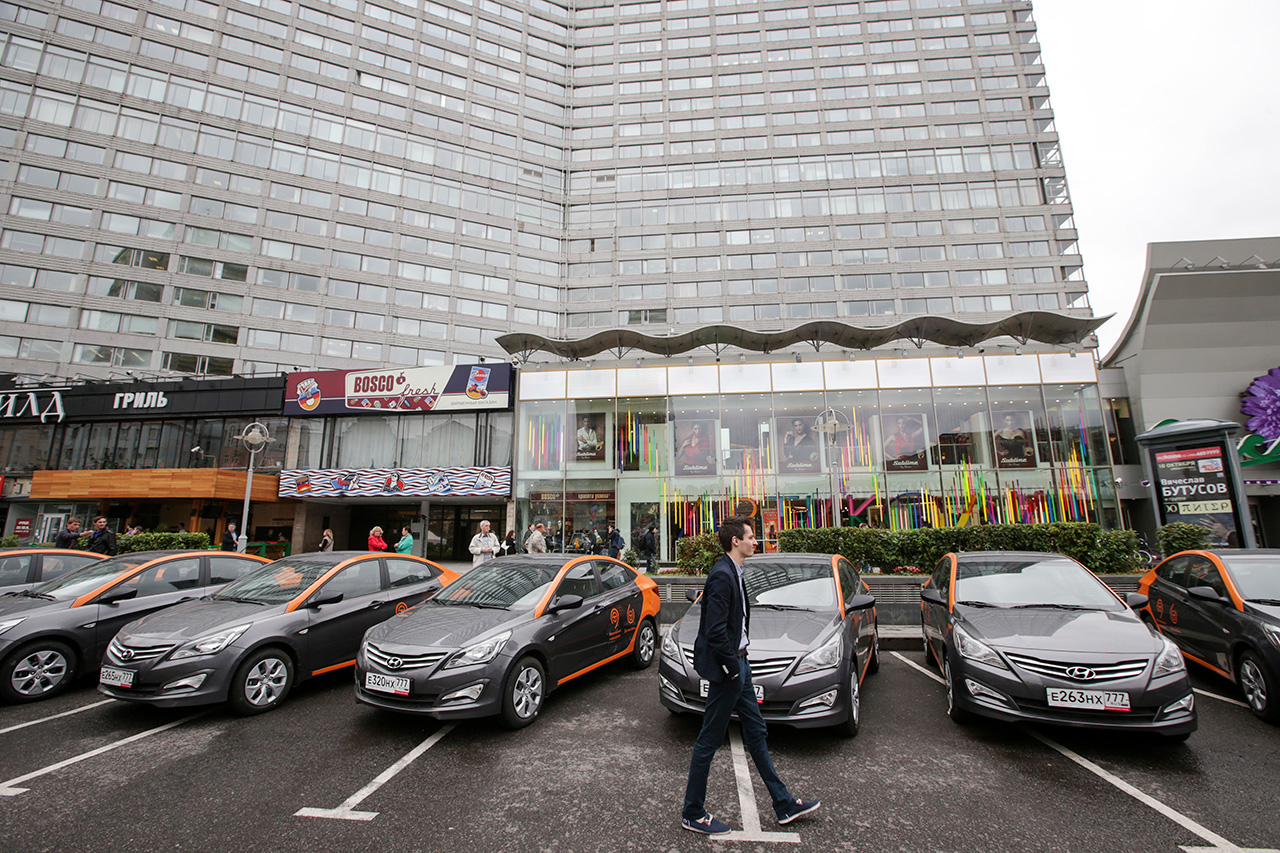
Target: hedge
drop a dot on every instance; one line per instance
(1180, 536)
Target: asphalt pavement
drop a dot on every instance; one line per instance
(603, 769)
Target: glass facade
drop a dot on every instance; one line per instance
(902, 444)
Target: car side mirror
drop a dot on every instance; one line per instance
(332, 598)
(565, 602)
(692, 594)
(928, 593)
(861, 601)
(115, 596)
(1206, 593)
(1136, 600)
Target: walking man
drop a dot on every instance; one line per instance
(103, 539)
(229, 537)
(484, 545)
(69, 536)
(537, 541)
(720, 656)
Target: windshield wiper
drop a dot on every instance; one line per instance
(453, 602)
(977, 604)
(1056, 606)
(33, 594)
(1273, 602)
(783, 607)
(238, 599)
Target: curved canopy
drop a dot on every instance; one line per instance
(1043, 326)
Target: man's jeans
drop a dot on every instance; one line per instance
(723, 699)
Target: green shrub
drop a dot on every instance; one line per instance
(695, 555)
(1180, 536)
(632, 559)
(161, 542)
(10, 541)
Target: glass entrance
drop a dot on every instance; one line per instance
(451, 526)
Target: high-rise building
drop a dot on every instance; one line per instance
(258, 185)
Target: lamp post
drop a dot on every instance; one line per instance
(832, 423)
(254, 437)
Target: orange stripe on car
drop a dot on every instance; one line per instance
(1236, 598)
(336, 666)
(599, 664)
(546, 597)
(1206, 664)
(835, 572)
(297, 600)
(129, 574)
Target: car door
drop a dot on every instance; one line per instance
(1206, 625)
(936, 616)
(582, 632)
(159, 586)
(334, 630)
(1168, 592)
(54, 566)
(409, 583)
(858, 628)
(623, 601)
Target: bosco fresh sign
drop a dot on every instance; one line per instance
(407, 390)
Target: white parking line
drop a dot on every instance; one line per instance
(7, 789)
(1219, 843)
(747, 800)
(1226, 699)
(344, 811)
(54, 716)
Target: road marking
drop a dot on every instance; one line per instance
(1219, 843)
(344, 811)
(1226, 699)
(54, 716)
(7, 789)
(751, 830)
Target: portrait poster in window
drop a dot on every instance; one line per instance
(906, 442)
(798, 446)
(589, 438)
(695, 448)
(1014, 439)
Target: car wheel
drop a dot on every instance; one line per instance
(38, 671)
(646, 644)
(873, 666)
(522, 697)
(849, 728)
(261, 682)
(1259, 685)
(956, 713)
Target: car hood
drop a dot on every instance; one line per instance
(195, 619)
(782, 631)
(1048, 630)
(1270, 611)
(443, 626)
(17, 605)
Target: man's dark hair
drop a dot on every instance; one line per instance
(100, 518)
(734, 527)
(71, 521)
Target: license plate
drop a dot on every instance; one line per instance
(1090, 700)
(704, 685)
(116, 677)
(386, 684)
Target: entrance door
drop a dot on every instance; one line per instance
(390, 517)
(451, 527)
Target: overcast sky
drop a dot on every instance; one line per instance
(1169, 116)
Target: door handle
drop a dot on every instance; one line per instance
(374, 605)
(186, 598)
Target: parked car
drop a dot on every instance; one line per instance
(53, 632)
(25, 568)
(1222, 608)
(507, 634)
(814, 638)
(249, 644)
(1038, 637)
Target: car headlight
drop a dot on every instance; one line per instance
(209, 645)
(1169, 660)
(670, 648)
(1273, 632)
(825, 656)
(479, 653)
(975, 650)
(6, 625)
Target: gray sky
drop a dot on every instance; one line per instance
(1167, 112)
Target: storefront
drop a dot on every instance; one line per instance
(428, 448)
(900, 443)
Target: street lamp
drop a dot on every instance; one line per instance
(831, 424)
(254, 438)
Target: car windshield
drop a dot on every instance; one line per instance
(1256, 576)
(1031, 582)
(501, 583)
(89, 577)
(276, 583)
(809, 587)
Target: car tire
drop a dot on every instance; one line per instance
(523, 693)
(39, 670)
(873, 666)
(956, 713)
(1258, 683)
(853, 698)
(262, 682)
(646, 645)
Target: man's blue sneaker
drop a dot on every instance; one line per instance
(705, 825)
(799, 808)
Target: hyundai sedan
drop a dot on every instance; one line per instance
(1038, 637)
(813, 640)
(51, 633)
(25, 568)
(290, 620)
(505, 635)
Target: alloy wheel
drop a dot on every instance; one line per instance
(1254, 685)
(39, 672)
(647, 642)
(266, 682)
(527, 695)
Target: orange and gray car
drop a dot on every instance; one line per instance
(1222, 608)
(52, 633)
(288, 621)
(506, 634)
(814, 639)
(27, 568)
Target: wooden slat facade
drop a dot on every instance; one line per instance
(159, 483)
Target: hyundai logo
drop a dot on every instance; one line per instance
(396, 663)
(125, 654)
(1081, 673)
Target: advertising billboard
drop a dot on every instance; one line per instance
(407, 390)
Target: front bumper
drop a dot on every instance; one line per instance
(679, 690)
(151, 679)
(431, 684)
(1022, 697)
